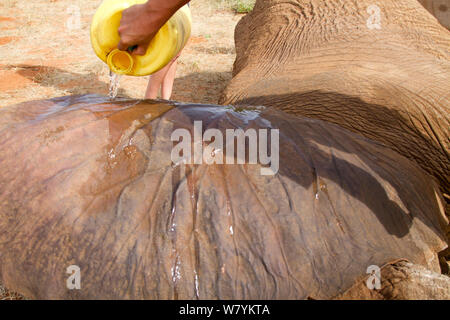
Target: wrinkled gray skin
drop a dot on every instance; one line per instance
(326, 60)
(89, 182)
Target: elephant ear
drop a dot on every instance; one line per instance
(91, 183)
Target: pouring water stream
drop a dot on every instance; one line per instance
(114, 82)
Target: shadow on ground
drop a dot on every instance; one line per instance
(201, 87)
(71, 82)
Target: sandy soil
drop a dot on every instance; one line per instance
(43, 54)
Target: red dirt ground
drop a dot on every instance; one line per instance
(42, 58)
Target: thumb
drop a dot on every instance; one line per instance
(140, 50)
(122, 46)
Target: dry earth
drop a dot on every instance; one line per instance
(44, 54)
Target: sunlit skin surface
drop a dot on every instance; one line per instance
(90, 182)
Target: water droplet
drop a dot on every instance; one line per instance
(176, 274)
(196, 284)
(114, 81)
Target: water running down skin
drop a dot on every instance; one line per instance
(91, 183)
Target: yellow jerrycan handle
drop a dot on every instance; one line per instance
(168, 42)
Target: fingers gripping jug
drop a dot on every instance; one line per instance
(167, 43)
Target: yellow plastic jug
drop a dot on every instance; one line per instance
(168, 42)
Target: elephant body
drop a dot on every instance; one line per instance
(381, 71)
(440, 9)
(90, 183)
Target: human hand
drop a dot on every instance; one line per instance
(140, 23)
(137, 28)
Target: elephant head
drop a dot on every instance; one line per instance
(378, 70)
(90, 186)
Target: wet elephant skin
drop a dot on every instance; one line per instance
(89, 182)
